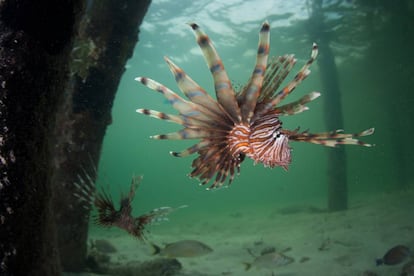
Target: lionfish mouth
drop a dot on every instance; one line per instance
(240, 123)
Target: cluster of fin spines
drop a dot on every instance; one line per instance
(333, 138)
(210, 120)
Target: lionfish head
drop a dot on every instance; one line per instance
(239, 123)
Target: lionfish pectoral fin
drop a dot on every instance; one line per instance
(333, 138)
(193, 149)
(152, 217)
(224, 91)
(160, 214)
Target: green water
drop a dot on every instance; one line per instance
(374, 80)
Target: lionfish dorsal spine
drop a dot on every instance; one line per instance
(276, 72)
(193, 91)
(299, 77)
(251, 92)
(178, 103)
(297, 106)
(222, 84)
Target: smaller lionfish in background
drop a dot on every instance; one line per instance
(122, 218)
(241, 122)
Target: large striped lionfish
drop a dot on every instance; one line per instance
(244, 122)
(108, 215)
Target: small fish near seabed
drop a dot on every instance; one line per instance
(395, 255)
(271, 260)
(122, 218)
(103, 246)
(408, 269)
(182, 249)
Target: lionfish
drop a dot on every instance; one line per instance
(244, 122)
(122, 218)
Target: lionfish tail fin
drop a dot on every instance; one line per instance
(333, 138)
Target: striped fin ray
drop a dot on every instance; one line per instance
(226, 168)
(300, 76)
(206, 163)
(162, 116)
(85, 193)
(252, 91)
(160, 214)
(333, 138)
(181, 120)
(105, 208)
(193, 91)
(185, 108)
(193, 149)
(276, 72)
(126, 200)
(215, 160)
(224, 91)
(297, 106)
(186, 133)
(85, 189)
(191, 113)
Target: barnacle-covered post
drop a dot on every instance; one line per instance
(35, 43)
(105, 41)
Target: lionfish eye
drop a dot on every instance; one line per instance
(276, 134)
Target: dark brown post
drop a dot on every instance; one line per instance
(35, 44)
(106, 38)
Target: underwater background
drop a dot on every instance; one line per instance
(372, 44)
(233, 28)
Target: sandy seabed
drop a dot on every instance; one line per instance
(322, 243)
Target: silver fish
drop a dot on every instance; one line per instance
(270, 260)
(184, 248)
(103, 246)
